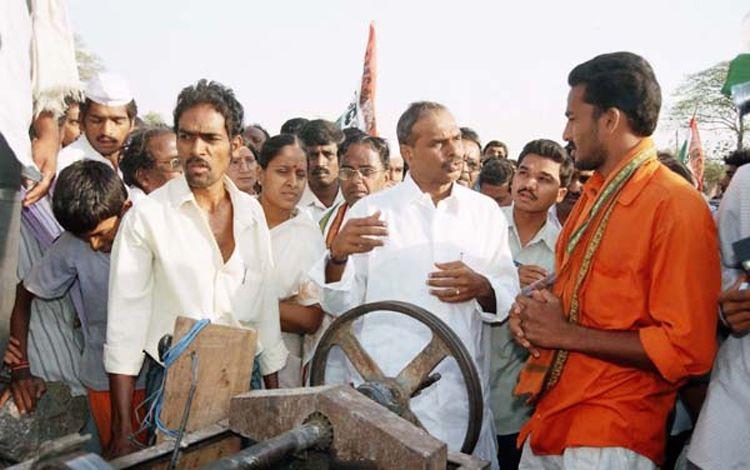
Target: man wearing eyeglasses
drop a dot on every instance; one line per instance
(362, 170)
(472, 158)
(150, 160)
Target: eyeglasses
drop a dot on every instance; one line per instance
(349, 173)
(173, 164)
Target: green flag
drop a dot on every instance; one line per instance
(683, 155)
(739, 73)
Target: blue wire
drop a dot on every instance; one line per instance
(157, 398)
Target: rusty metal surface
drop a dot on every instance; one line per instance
(410, 380)
(314, 433)
(362, 430)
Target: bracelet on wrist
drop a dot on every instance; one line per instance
(20, 365)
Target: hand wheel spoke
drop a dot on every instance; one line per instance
(416, 372)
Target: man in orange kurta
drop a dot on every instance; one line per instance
(638, 279)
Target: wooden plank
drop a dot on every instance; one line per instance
(204, 444)
(225, 364)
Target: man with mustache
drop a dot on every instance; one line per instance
(544, 170)
(433, 243)
(107, 117)
(321, 140)
(196, 247)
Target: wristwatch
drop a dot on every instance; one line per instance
(337, 262)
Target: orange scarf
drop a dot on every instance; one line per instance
(338, 219)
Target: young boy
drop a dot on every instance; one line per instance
(89, 202)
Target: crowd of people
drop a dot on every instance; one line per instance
(588, 283)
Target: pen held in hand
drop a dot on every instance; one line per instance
(544, 283)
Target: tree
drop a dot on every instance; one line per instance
(718, 120)
(89, 64)
(153, 118)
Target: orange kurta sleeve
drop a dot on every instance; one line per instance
(685, 285)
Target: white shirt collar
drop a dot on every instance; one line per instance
(411, 192)
(310, 199)
(180, 193)
(547, 234)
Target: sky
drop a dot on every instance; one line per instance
(499, 66)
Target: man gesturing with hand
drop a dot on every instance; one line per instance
(436, 245)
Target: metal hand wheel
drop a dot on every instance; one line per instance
(395, 392)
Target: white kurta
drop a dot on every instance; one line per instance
(81, 149)
(15, 78)
(465, 226)
(296, 244)
(165, 263)
(722, 434)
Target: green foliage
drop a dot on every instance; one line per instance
(718, 121)
(89, 64)
(153, 118)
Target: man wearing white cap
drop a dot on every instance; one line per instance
(107, 117)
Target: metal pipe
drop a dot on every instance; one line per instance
(268, 453)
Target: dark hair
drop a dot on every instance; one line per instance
(293, 126)
(378, 144)
(260, 128)
(411, 116)
(352, 132)
(737, 157)
(553, 151)
(256, 153)
(272, 147)
(668, 160)
(469, 134)
(621, 80)
(131, 109)
(86, 193)
(496, 172)
(321, 132)
(495, 143)
(69, 101)
(216, 95)
(135, 155)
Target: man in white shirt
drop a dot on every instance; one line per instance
(321, 140)
(196, 247)
(722, 434)
(107, 116)
(434, 244)
(544, 171)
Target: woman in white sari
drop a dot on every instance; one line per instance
(297, 244)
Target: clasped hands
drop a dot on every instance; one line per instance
(537, 322)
